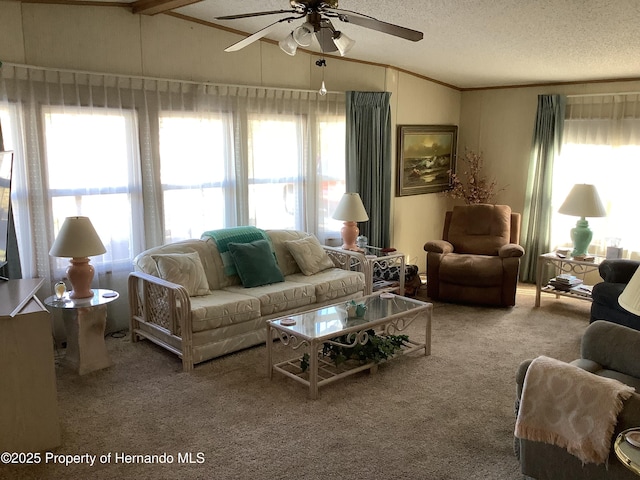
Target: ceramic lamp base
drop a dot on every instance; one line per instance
(581, 235)
(349, 234)
(80, 274)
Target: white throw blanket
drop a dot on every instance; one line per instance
(569, 407)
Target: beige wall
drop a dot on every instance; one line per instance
(111, 39)
(419, 218)
(11, 37)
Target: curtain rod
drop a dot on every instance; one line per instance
(601, 94)
(159, 79)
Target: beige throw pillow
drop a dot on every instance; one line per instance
(184, 269)
(309, 255)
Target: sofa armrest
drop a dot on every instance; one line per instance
(156, 305)
(618, 270)
(587, 365)
(438, 246)
(613, 346)
(607, 293)
(346, 259)
(630, 415)
(510, 250)
(521, 373)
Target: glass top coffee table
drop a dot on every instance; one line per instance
(386, 314)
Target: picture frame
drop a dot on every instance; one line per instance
(426, 158)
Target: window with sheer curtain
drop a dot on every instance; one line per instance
(601, 146)
(89, 163)
(152, 161)
(199, 169)
(193, 155)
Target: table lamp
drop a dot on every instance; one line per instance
(350, 210)
(583, 201)
(629, 299)
(78, 239)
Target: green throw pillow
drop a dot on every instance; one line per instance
(255, 263)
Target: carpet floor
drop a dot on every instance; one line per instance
(446, 416)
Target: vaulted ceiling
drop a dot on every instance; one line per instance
(467, 43)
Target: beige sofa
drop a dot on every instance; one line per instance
(224, 316)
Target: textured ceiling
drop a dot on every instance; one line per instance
(477, 43)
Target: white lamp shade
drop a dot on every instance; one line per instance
(288, 45)
(629, 299)
(351, 209)
(77, 238)
(303, 35)
(343, 43)
(583, 201)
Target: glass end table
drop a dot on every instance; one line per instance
(377, 263)
(627, 453)
(85, 320)
(564, 265)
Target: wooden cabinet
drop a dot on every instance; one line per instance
(29, 418)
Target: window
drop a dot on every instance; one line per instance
(152, 161)
(588, 156)
(332, 166)
(282, 178)
(296, 179)
(276, 171)
(91, 160)
(194, 160)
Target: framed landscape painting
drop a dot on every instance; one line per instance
(426, 158)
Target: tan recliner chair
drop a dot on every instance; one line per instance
(478, 259)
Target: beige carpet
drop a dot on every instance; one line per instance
(446, 416)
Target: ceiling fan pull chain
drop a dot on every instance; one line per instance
(322, 63)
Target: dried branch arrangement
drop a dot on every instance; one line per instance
(472, 186)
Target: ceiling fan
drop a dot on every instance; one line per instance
(318, 15)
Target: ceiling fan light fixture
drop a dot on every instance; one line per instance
(303, 35)
(288, 45)
(343, 42)
(318, 15)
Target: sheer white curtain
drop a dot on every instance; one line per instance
(250, 156)
(601, 146)
(77, 153)
(151, 161)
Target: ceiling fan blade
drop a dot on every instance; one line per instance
(256, 36)
(255, 14)
(379, 25)
(325, 37)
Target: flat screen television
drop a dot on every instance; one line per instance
(6, 164)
